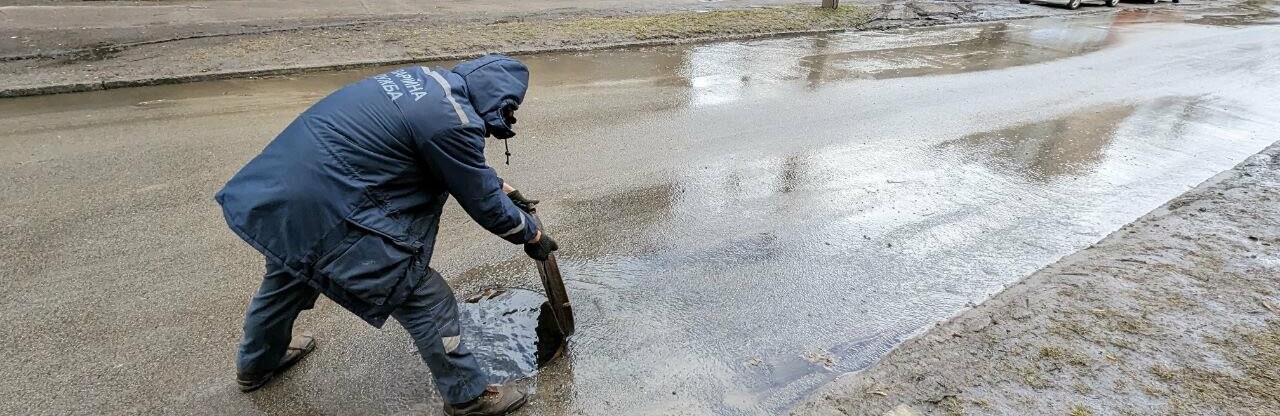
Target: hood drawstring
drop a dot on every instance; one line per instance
(507, 149)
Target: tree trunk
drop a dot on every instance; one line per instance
(830, 4)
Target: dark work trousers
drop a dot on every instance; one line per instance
(430, 314)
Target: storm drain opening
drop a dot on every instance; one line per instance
(511, 332)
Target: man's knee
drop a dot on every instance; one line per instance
(431, 291)
(279, 300)
(430, 314)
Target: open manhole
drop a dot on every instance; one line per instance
(510, 331)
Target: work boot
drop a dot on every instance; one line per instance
(299, 347)
(496, 400)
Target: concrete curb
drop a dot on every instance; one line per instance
(10, 92)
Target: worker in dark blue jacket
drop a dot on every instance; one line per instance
(347, 201)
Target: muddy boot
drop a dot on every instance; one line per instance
(495, 401)
(299, 347)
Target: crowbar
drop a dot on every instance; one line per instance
(557, 297)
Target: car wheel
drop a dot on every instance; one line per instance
(1024, 1)
(1073, 4)
(1112, 3)
(1152, 1)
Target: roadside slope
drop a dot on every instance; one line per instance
(1176, 313)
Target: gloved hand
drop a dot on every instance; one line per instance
(541, 249)
(521, 201)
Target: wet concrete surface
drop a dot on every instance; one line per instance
(739, 222)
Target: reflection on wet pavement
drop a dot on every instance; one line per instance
(739, 222)
(1066, 146)
(881, 55)
(735, 285)
(721, 72)
(976, 49)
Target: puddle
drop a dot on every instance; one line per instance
(885, 55)
(1065, 146)
(1074, 144)
(982, 48)
(1252, 12)
(740, 222)
(511, 333)
(710, 73)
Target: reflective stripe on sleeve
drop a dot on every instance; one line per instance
(512, 231)
(448, 94)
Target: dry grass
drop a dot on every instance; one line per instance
(522, 34)
(402, 40)
(1256, 354)
(1079, 410)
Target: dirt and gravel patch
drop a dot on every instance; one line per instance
(1177, 313)
(405, 40)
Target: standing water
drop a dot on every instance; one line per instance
(739, 222)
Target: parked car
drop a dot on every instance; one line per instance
(1074, 4)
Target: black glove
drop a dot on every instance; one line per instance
(541, 249)
(520, 201)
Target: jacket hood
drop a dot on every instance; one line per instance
(493, 83)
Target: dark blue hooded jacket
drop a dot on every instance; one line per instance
(349, 196)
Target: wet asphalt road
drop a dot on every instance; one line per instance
(740, 221)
